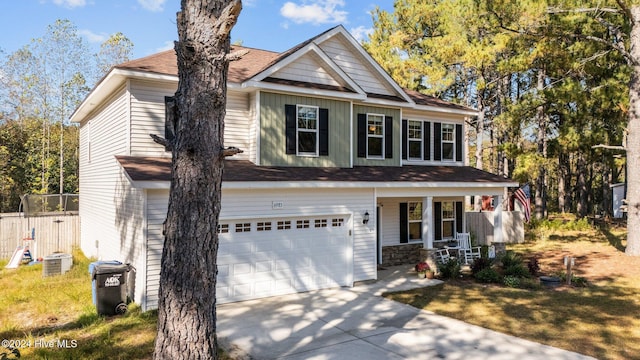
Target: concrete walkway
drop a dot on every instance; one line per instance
(356, 323)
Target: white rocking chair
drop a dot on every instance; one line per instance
(442, 256)
(467, 252)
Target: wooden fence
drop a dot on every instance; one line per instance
(480, 224)
(53, 232)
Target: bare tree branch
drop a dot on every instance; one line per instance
(236, 55)
(162, 141)
(230, 151)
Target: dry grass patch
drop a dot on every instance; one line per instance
(601, 320)
(58, 310)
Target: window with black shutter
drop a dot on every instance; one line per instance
(410, 221)
(375, 136)
(306, 130)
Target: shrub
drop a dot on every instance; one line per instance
(517, 270)
(510, 258)
(511, 281)
(534, 266)
(480, 264)
(488, 275)
(450, 269)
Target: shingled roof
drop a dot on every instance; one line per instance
(159, 169)
(240, 70)
(254, 62)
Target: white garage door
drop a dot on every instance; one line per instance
(266, 257)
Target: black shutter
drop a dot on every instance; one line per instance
(426, 140)
(405, 135)
(388, 137)
(404, 223)
(290, 128)
(459, 214)
(324, 132)
(169, 127)
(437, 141)
(458, 142)
(362, 135)
(437, 221)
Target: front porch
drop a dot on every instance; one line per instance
(410, 228)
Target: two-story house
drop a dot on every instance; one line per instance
(342, 170)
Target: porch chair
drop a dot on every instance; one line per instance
(467, 252)
(442, 256)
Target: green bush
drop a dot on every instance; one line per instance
(488, 275)
(517, 270)
(534, 266)
(561, 224)
(449, 270)
(510, 258)
(511, 281)
(480, 264)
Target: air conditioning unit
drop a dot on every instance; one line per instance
(56, 264)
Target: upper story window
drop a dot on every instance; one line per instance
(307, 130)
(418, 144)
(448, 142)
(414, 139)
(375, 136)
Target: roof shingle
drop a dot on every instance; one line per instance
(159, 169)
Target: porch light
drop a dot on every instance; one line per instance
(365, 217)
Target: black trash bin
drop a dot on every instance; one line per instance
(110, 282)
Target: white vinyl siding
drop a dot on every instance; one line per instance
(298, 204)
(147, 115)
(99, 178)
(238, 124)
(307, 68)
(355, 66)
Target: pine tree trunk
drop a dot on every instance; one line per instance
(581, 186)
(633, 141)
(541, 181)
(563, 181)
(187, 296)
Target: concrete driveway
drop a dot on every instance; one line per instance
(356, 323)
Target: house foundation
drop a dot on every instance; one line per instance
(401, 255)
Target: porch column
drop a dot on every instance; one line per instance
(427, 218)
(497, 221)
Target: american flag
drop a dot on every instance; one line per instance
(523, 195)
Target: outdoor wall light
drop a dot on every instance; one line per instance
(365, 217)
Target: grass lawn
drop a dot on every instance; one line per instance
(601, 320)
(54, 318)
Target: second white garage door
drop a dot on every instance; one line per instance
(267, 257)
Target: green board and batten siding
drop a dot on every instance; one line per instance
(272, 131)
(395, 114)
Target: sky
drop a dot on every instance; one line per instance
(275, 25)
